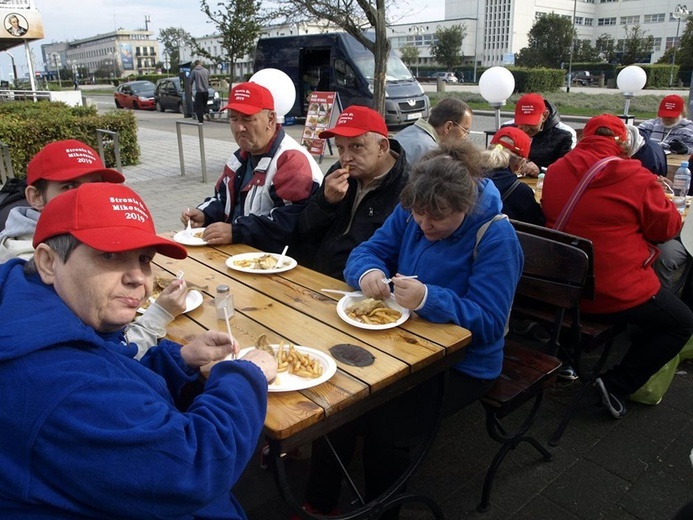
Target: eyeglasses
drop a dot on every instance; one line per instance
(466, 130)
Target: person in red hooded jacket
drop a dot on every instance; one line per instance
(623, 211)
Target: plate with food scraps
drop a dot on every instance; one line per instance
(190, 238)
(370, 313)
(287, 382)
(263, 263)
(192, 301)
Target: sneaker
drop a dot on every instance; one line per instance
(522, 327)
(567, 373)
(541, 334)
(611, 401)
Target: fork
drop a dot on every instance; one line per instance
(179, 276)
(188, 229)
(228, 329)
(388, 280)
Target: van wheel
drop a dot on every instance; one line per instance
(159, 107)
(180, 107)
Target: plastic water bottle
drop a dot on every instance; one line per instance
(540, 185)
(223, 302)
(682, 182)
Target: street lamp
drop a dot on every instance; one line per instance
(679, 12)
(419, 30)
(496, 85)
(629, 81)
(572, 47)
(14, 68)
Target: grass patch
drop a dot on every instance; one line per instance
(642, 106)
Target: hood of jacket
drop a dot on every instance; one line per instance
(588, 151)
(554, 117)
(33, 317)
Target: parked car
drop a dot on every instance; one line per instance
(135, 94)
(168, 95)
(582, 77)
(448, 77)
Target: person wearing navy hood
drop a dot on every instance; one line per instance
(88, 431)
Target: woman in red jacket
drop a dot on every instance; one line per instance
(623, 211)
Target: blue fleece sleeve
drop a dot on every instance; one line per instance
(126, 452)
(485, 306)
(165, 360)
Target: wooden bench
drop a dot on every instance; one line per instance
(554, 275)
(572, 334)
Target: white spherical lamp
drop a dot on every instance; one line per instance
(630, 80)
(496, 85)
(282, 89)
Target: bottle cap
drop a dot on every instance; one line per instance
(223, 288)
(684, 164)
(541, 175)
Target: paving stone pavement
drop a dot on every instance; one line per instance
(635, 468)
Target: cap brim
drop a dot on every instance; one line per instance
(529, 120)
(247, 110)
(107, 174)
(346, 131)
(119, 239)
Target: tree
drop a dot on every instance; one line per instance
(549, 43)
(410, 56)
(448, 44)
(585, 52)
(606, 46)
(239, 23)
(684, 49)
(172, 38)
(637, 47)
(354, 17)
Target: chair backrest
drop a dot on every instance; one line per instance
(553, 273)
(581, 243)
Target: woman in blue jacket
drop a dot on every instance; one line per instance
(467, 273)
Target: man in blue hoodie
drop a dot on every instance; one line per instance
(89, 432)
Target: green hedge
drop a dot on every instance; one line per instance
(26, 127)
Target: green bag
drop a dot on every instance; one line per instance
(655, 388)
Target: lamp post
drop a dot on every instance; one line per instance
(630, 80)
(419, 30)
(14, 68)
(55, 58)
(679, 12)
(572, 47)
(496, 85)
(476, 39)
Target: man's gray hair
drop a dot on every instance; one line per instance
(63, 245)
(448, 109)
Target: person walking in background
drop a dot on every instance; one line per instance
(199, 78)
(670, 128)
(503, 161)
(623, 210)
(450, 121)
(551, 139)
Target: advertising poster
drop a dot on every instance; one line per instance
(126, 56)
(323, 109)
(20, 25)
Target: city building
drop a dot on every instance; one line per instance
(118, 53)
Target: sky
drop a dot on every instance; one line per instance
(76, 19)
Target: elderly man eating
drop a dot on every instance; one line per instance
(89, 432)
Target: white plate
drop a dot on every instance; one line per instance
(348, 301)
(286, 382)
(187, 239)
(288, 263)
(192, 301)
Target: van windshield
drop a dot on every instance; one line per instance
(396, 70)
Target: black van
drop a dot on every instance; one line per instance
(337, 62)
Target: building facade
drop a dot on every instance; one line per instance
(119, 53)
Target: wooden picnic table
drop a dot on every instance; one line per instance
(290, 306)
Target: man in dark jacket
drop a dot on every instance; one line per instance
(551, 139)
(358, 193)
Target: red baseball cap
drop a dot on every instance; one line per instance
(107, 217)
(249, 98)
(610, 121)
(356, 120)
(520, 141)
(67, 160)
(671, 106)
(529, 109)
